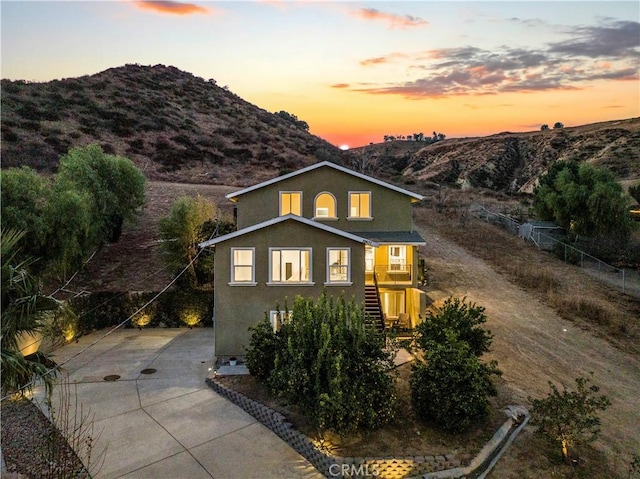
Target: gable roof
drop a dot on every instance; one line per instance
(414, 196)
(280, 219)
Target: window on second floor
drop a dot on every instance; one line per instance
(360, 205)
(291, 203)
(325, 206)
(243, 266)
(290, 265)
(338, 265)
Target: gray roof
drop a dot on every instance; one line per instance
(403, 237)
(542, 224)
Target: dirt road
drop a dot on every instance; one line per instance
(533, 345)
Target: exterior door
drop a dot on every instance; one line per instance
(393, 303)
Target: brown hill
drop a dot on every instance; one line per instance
(172, 124)
(508, 161)
(179, 127)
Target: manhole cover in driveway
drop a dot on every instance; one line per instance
(111, 377)
(148, 371)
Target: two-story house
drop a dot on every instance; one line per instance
(323, 227)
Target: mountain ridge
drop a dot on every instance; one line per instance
(182, 128)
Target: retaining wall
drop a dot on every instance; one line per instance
(428, 466)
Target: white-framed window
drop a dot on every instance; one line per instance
(338, 265)
(278, 318)
(289, 265)
(359, 205)
(325, 206)
(397, 258)
(243, 268)
(291, 203)
(369, 258)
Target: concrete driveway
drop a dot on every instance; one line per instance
(168, 423)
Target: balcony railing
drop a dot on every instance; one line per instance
(398, 273)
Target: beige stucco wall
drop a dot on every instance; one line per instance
(391, 210)
(239, 307)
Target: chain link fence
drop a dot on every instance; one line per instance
(627, 281)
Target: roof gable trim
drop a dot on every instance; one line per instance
(414, 196)
(281, 219)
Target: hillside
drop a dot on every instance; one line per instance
(172, 124)
(181, 128)
(509, 161)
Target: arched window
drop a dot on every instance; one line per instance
(325, 206)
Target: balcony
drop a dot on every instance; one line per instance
(392, 274)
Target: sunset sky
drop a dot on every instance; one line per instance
(355, 71)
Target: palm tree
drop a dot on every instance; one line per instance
(23, 307)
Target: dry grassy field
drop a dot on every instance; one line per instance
(550, 321)
(540, 332)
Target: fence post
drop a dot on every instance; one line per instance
(581, 259)
(623, 285)
(565, 252)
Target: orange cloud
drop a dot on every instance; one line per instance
(340, 85)
(382, 59)
(394, 21)
(170, 7)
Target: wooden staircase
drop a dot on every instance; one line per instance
(372, 306)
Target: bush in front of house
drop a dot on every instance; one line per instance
(458, 317)
(326, 360)
(450, 386)
(261, 354)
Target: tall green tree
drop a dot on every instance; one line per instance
(114, 184)
(22, 317)
(584, 199)
(68, 224)
(66, 218)
(24, 195)
(191, 221)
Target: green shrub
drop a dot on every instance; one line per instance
(176, 308)
(569, 417)
(458, 318)
(451, 387)
(329, 363)
(261, 355)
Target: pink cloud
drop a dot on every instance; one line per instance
(392, 19)
(170, 7)
(340, 85)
